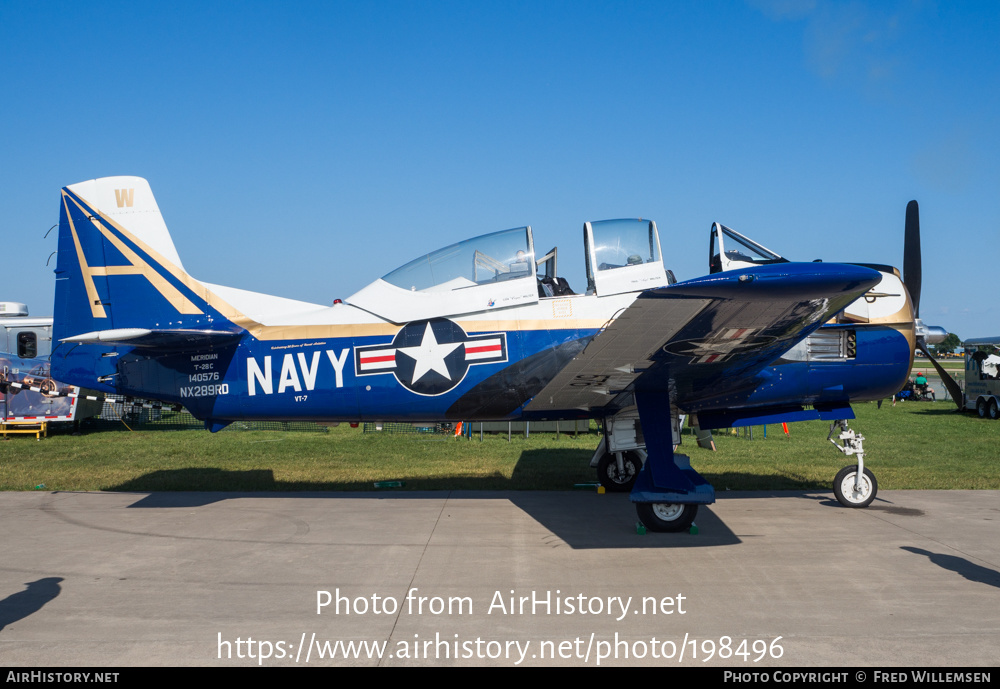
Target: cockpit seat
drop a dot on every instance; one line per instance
(553, 287)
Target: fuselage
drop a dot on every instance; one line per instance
(469, 369)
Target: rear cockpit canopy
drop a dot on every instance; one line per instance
(623, 256)
(490, 271)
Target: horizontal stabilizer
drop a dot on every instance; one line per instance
(157, 339)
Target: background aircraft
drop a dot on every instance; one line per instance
(487, 329)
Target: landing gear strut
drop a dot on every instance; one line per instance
(636, 454)
(854, 485)
(617, 470)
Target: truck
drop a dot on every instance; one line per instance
(982, 376)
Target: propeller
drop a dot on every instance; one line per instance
(911, 255)
(954, 389)
(912, 275)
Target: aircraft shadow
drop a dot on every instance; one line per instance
(588, 524)
(22, 604)
(604, 522)
(960, 565)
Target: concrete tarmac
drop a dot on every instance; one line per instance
(499, 579)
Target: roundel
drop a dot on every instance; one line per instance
(719, 345)
(431, 357)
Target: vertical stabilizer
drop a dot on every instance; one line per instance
(118, 271)
(129, 202)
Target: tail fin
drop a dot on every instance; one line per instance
(118, 268)
(119, 279)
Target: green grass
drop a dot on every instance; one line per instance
(950, 365)
(912, 445)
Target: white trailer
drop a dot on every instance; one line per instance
(28, 394)
(982, 376)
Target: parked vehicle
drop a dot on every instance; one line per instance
(982, 376)
(28, 393)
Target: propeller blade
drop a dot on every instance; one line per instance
(954, 389)
(911, 255)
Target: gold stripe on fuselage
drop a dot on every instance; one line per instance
(358, 330)
(258, 330)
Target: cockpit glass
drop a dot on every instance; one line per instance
(620, 243)
(740, 248)
(495, 257)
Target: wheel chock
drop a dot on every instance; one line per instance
(693, 530)
(640, 528)
(390, 484)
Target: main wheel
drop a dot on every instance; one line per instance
(666, 516)
(982, 407)
(843, 487)
(994, 409)
(613, 480)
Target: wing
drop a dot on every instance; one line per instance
(704, 338)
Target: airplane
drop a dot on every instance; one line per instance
(485, 329)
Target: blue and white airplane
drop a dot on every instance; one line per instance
(486, 330)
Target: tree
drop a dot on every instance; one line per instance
(949, 344)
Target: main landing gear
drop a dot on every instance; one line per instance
(854, 485)
(666, 516)
(637, 455)
(617, 470)
(621, 453)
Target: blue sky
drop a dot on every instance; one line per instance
(305, 149)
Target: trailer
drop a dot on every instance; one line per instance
(982, 376)
(30, 398)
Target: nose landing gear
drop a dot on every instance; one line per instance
(854, 485)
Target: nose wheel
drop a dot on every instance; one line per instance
(854, 485)
(852, 492)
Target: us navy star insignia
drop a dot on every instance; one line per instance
(430, 357)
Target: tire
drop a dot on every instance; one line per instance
(982, 407)
(994, 409)
(613, 480)
(666, 517)
(843, 487)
